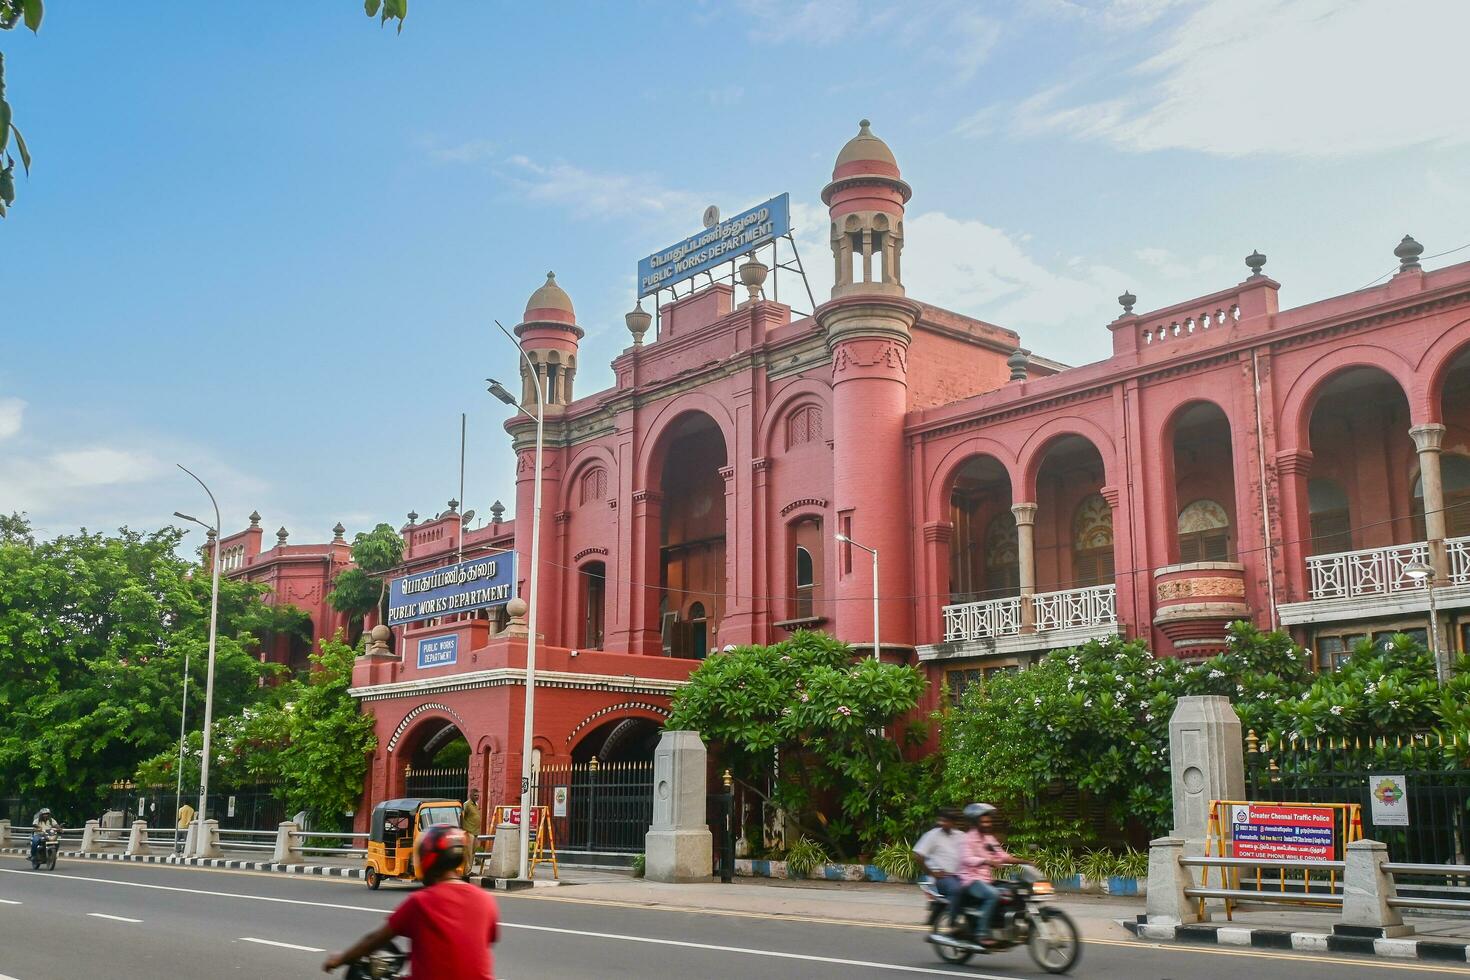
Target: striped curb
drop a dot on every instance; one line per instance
(231, 864)
(1343, 939)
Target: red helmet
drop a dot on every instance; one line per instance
(442, 845)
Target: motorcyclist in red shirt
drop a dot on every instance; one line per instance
(451, 923)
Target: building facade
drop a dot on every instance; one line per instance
(1229, 460)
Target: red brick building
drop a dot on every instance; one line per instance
(1228, 460)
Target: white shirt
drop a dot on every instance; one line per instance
(941, 851)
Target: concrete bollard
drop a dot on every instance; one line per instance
(505, 853)
(206, 842)
(4, 833)
(92, 837)
(678, 846)
(138, 838)
(288, 845)
(1167, 878)
(1366, 889)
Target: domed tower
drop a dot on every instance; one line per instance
(868, 323)
(550, 335)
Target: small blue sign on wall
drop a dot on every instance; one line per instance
(439, 651)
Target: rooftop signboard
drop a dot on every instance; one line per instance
(722, 242)
(480, 583)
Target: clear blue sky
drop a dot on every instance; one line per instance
(267, 241)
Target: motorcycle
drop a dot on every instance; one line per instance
(388, 963)
(1022, 918)
(43, 851)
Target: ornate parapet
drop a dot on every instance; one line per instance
(1195, 602)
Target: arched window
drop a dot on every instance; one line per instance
(1454, 476)
(594, 485)
(1204, 532)
(1002, 556)
(803, 425)
(1327, 509)
(698, 631)
(1092, 542)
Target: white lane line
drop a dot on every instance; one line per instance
(272, 942)
(891, 967)
(114, 918)
(7, 901)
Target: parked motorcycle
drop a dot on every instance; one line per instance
(1022, 918)
(388, 963)
(43, 851)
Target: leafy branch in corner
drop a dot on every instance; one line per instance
(12, 13)
(386, 10)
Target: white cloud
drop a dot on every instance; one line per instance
(11, 410)
(1168, 265)
(1293, 77)
(600, 194)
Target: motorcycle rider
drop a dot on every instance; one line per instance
(450, 923)
(938, 854)
(982, 855)
(40, 826)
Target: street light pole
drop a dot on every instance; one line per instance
(209, 674)
(874, 552)
(535, 593)
(1423, 573)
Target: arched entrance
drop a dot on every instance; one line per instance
(438, 760)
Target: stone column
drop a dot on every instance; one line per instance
(288, 846)
(679, 846)
(1293, 468)
(4, 833)
(1026, 559)
(138, 838)
(1366, 889)
(643, 623)
(91, 837)
(1427, 440)
(935, 579)
(206, 840)
(1207, 763)
(1167, 879)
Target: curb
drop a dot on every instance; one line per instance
(1343, 939)
(232, 864)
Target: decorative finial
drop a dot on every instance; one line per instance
(638, 320)
(1126, 301)
(413, 518)
(1018, 363)
(281, 536)
(753, 276)
(551, 277)
(453, 505)
(212, 534)
(255, 518)
(497, 511)
(338, 531)
(863, 125)
(1408, 253)
(1255, 262)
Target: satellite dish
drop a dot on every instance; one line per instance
(711, 216)
(469, 515)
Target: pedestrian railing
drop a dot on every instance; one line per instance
(1287, 891)
(1396, 900)
(304, 835)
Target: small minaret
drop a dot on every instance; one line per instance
(550, 335)
(868, 323)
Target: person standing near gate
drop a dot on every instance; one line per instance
(470, 819)
(186, 817)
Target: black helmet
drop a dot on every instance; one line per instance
(443, 845)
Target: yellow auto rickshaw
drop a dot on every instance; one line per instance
(394, 835)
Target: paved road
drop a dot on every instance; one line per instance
(142, 921)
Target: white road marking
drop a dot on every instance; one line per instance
(272, 942)
(6, 901)
(891, 967)
(114, 918)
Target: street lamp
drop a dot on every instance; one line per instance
(209, 674)
(184, 705)
(1422, 573)
(499, 391)
(874, 552)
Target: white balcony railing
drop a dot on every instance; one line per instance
(1374, 571)
(1094, 607)
(1073, 608)
(1458, 550)
(980, 620)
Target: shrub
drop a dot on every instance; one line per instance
(640, 865)
(896, 860)
(803, 856)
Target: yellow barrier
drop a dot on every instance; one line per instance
(541, 844)
(1347, 826)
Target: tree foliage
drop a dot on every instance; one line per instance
(800, 722)
(386, 10)
(1097, 719)
(14, 13)
(359, 590)
(94, 633)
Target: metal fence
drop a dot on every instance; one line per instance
(449, 784)
(1436, 771)
(597, 806)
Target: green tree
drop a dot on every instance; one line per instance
(94, 630)
(13, 13)
(386, 10)
(359, 590)
(798, 723)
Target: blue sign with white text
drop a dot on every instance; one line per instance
(439, 651)
(479, 583)
(727, 240)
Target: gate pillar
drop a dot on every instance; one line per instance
(679, 846)
(1206, 762)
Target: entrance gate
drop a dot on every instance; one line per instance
(597, 806)
(449, 784)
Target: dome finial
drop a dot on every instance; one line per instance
(863, 125)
